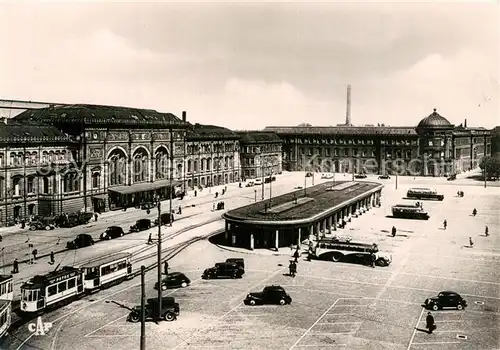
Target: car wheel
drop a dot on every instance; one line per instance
(282, 302)
(121, 234)
(108, 238)
(47, 228)
(336, 257)
(435, 307)
(134, 317)
(32, 228)
(460, 307)
(163, 287)
(252, 302)
(184, 284)
(169, 317)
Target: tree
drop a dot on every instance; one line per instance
(492, 165)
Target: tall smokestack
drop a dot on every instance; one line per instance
(184, 116)
(465, 123)
(348, 111)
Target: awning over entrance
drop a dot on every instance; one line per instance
(144, 187)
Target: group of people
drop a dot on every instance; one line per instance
(460, 193)
(293, 263)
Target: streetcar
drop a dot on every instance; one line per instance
(424, 193)
(6, 296)
(104, 271)
(51, 290)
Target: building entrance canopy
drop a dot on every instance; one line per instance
(144, 187)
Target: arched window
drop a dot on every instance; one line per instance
(96, 177)
(209, 164)
(71, 182)
(195, 166)
(203, 163)
(161, 158)
(16, 186)
(189, 165)
(30, 185)
(45, 157)
(179, 170)
(141, 166)
(117, 168)
(2, 186)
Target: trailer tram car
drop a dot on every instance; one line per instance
(51, 290)
(404, 211)
(6, 297)
(424, 193)
(107, 270)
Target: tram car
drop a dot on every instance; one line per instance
(51, 290)
(105, 271)
(6, 296)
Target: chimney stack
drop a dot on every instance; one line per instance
(184, 116)
(348, 111)
(465, 123)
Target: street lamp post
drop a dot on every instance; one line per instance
(143, 306)
(159, 260)
(255, 193)
(396, 180)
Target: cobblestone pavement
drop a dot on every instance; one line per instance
(337, 305)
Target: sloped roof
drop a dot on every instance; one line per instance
(210, 132)
(343, 130)
(433, 121)
(103, 115)
(259, 137)
(30, 132)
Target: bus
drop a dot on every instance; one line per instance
(106, 270)
(424, 193)
(328, 249)
(6, 297)
(405, 211)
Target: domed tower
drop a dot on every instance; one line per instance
(435, 145)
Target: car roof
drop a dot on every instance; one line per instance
(274, 287)
(86, 235)
(175, 274)
(448, 292)
(144, 220)
(114, 227)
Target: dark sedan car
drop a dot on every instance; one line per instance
(223, 270)
(384, 177)
(270, 295)
(80, 241)
(166, 218)
(360, 176)
(446, 299)
(141, 225)
(112, 232)
(174, 280)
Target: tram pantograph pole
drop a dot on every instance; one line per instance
(159, 261)
(143, 307)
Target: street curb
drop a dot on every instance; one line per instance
(249, 252)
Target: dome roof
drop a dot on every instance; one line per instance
(434, 121)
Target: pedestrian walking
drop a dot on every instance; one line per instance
(95, 216)
(213, 207)
(429, 323)
(34, 252)
(394, 231)
(23, 224)
(52, 258)
(486, 231)
(296, 255)
(15, 267)
(180, 210)
(150, 239)
(445, 224)
(474, 212)
(293, 269)
(471, 244)
(373, 259)
(165, 267)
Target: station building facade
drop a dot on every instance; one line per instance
(434, 147)
(260, 154)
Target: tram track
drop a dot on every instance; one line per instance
(167, 254)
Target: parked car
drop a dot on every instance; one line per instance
(327, 176)
(269, 179)
(148, 206)
(452, 177)
(309, 174)
(223, 270)
(141, 225)
(384, 177)
(174, 280)
(112, 232)
(360, 176)
(80, 241)
(43, 223)
(166, 218)
(258, 182)
(169, 310)
(250, 184)
(446, 299)
(269, 295)
(238, 261)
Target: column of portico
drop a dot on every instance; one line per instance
(329, 224)
(335, 221)
(318, 229)
(226, 230)
(299, 240)
(276, 239)
(311, 232)
(252, 242)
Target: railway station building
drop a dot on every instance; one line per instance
(291, 218)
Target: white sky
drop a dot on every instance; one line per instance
(245, 66)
